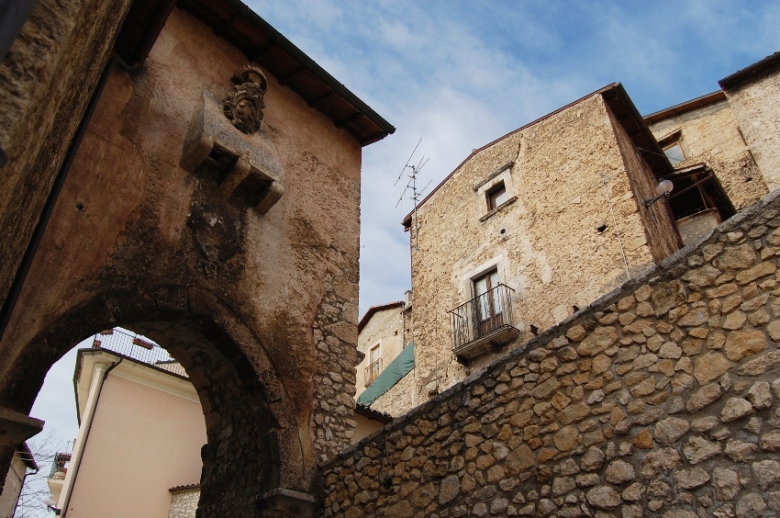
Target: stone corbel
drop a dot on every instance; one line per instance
(256, 176)
(286, 503)
(17, 427)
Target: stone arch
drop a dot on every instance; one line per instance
(254, 445)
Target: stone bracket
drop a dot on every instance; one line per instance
(284, 503)
(17, 427)
(254, 175)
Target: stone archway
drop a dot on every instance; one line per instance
(254, 447)
(170, 218)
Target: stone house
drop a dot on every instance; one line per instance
(385, 333)
(558, 213)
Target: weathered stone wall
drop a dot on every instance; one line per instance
(757, 107)
(571, 231)
(711, 135)
(660, 234)
(663, 399)
(184, 503)
(394, 329)
(386, 329)
(399, 399)
(46, 81)
(267, 301)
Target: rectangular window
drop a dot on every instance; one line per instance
(488, 303)
(374, 366)
(496, 196)
(674, 153)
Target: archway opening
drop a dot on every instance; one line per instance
(247, 442)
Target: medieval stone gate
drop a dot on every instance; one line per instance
(211, 205)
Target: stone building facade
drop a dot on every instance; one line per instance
(706, 131)
(754, 93)
(210, 201)
(184, 501)
(383, 334)
(660, 399)
(554, 214)
(550, 215)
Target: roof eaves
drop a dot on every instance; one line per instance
(687, 106)
(27, 456)
(374, 309)
(628, 116)
(362, 122)
(750, 72)
(368, 412)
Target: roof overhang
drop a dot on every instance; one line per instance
(233, 21)
(688, 106)
(369, 413)
(626, 113)
(375, 309)
(750, 73)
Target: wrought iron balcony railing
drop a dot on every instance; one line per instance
(483, 322)
(138, 348)
(59, 465)
(372, 371)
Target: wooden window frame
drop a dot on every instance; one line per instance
(492, 195)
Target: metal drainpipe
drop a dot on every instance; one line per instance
(24, 268)
(76, 463)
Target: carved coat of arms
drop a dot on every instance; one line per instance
(244, 104)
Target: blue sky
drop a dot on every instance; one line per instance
(458, 74)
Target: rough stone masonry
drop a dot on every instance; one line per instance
(661, 399)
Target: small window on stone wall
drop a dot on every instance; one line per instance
(672, 146)
(374, 367)
(674, 153)
(496, 196)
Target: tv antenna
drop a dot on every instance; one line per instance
(411, 185)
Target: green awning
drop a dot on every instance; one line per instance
(392, 374)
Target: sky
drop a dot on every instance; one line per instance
(458, 74)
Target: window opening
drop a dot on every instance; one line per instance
(374, 366)
(674, 153)
(488, 304)
(697, 192)
(496, 196)
(672, 146)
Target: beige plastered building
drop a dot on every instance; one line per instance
(540, 223)
(141, 429)
(22, 464)
(384, 332)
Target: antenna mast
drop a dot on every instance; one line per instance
(411, 185)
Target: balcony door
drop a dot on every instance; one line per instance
(488, 303)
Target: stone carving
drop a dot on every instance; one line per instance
(244, 104)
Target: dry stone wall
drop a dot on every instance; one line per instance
(662, 399)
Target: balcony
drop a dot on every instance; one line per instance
(372, 371)
(483, 323)
(138, 348)
(59, 468)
